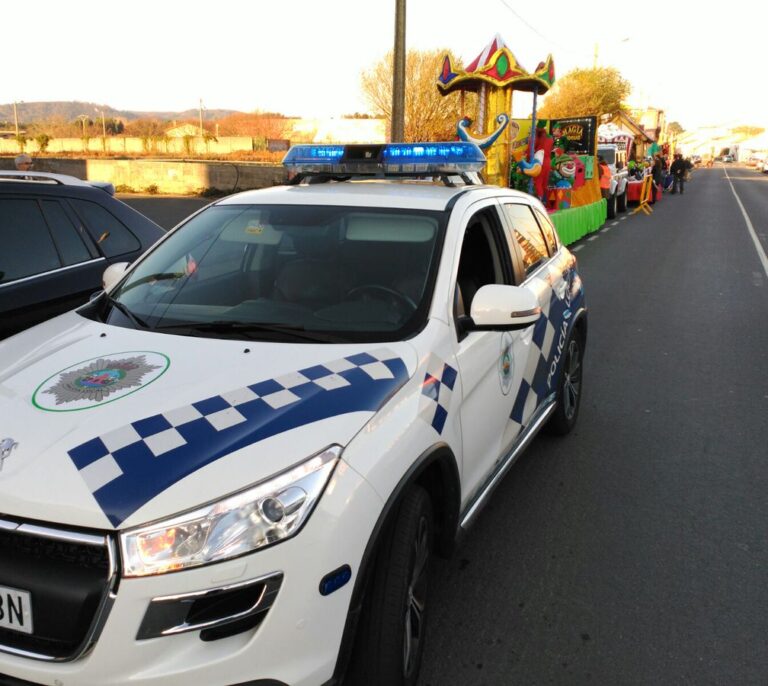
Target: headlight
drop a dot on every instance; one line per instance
(262, 515)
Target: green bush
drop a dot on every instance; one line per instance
(152, 189)
(209, 192)
(43, 139)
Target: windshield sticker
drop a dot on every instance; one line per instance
(121, 467)
(99, 381)
(436, 393)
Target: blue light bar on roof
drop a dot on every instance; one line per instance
(391, 158)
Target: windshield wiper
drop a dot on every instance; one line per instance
(137, 321)
(225, 327)
(160, 276)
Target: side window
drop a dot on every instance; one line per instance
(549, 231)
(484, 259)
(526, 231)
(67, 238)
(27, 246)
(109, 234)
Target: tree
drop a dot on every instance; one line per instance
(256, 124)
(429, 116)
(674, 129)
(584, 92)
(748, 131)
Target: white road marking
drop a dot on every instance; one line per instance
(607, 229)
(577, 248)
(758, 246)
(616, 223)
(621, 219)
(593, 238)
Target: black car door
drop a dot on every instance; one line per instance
(48, 265)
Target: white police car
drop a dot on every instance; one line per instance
(233, 467)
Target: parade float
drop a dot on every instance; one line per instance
(554, 160)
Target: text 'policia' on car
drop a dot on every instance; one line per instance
(235, 464)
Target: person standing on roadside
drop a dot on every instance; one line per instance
(678, 173)
(23, 162)
(605, 177)
(657, 172)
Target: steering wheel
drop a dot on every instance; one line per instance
(376, 288)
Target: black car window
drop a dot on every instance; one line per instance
(484, 259)
(547, 228)
(70, 244)
(27, 246)
(527, 234)
(112, 237)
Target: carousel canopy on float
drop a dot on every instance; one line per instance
(496, 65)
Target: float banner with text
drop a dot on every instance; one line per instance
(580, 132)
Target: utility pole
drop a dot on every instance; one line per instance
(201, 118)
(594, 59)
(397, 133)
(16, 119)
(103, 125)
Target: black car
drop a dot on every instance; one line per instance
(57, 236)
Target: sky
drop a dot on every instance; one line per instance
(304, 58)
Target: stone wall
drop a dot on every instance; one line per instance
(165, 176)
(187, 145)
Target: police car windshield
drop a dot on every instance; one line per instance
(361, 274)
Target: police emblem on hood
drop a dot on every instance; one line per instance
(95, 381)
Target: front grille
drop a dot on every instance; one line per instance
(51, 550)
(69, 578)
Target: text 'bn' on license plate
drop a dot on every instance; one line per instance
(15, 610)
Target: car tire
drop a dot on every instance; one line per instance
(621, 202)
(569, 387)
(390, 640)
(612, 206)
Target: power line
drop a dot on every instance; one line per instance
(541, 35)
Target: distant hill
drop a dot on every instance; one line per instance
(29, 112)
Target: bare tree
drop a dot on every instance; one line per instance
(429, 116)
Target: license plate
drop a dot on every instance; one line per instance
(15, 610)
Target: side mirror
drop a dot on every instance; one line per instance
(504, 308)
(113, 274)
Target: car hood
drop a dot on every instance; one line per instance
(107, 427)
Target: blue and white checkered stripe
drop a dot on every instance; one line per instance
(127, 467)
(437, 393)
(556, 313)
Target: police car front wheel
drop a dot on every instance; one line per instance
(390, 642)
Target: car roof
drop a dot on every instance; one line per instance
(41, 177)
(16, 180)
(367, 193)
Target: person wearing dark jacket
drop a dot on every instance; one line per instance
(678, 172)
(657, 171)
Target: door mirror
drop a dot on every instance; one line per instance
(504, 308)
(113, 274)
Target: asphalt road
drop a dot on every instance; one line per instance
(166, 211)
(635, 550)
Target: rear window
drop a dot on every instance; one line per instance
(608, 154)
(110, 234)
